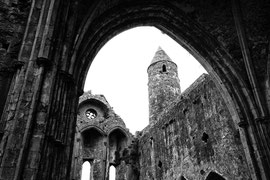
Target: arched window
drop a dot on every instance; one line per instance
(112, 173)
(164, 68)
(86, 171)
(214, 176)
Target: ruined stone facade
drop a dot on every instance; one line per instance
(47, 47)
(103, 140)
(192, 135)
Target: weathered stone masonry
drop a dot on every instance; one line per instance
(193, 137)
(103, 140)
(53, 43)
(163, 83)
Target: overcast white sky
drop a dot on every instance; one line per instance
(119, 72)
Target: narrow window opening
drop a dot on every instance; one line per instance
(202, 172)
(205, 137)
(4, 45)
(183, 178)
(112, 173)
(151, 142)
(86, 171)
(1, 136)
(164, 68)
(214, 176)
(159, 164)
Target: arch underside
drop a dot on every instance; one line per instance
(213, 57)
(193, 37)
(205, 48)
(58, 51)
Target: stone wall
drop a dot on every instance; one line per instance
(193, 137)
(103, 141)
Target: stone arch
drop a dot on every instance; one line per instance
(95, 101)
(93, 127)
(95, 137)
(214, 58)
(57, 56)
(118, 149)
(172, 20)
(94, 150)
(92, 138)
(120, 129)
(101, 110)
(118, 140)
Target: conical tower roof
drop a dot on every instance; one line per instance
(160, 56)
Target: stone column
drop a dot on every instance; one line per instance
(38, 137)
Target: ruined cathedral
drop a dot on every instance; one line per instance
(217, 129)
(190, 135)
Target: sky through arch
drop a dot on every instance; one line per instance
(119, 71)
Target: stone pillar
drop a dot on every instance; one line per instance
(8, 69)
(38, 137)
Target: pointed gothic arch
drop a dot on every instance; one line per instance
(92, 138)
(214, 58)
(212, 55)
(117, 144)
(57, 54)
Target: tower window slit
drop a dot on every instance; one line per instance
(164, 68)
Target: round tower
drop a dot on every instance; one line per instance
(163, 83)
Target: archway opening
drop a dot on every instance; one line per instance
(125, 85)
(112, 173)
(86, 171)
(117, 143)
(211, 53)
(93, 149)
(93, 144)
(124, 80)
(214, 176)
